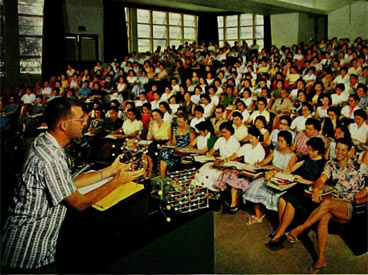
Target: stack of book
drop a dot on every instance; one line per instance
(282, 181)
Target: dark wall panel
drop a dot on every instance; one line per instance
(54, 42)
(115, 31)
(207, 28)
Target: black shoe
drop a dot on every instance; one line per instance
(278, 242)
(272, 234)
(233, 210)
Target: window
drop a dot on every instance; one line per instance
(236, 28)
(157, 28)
(30, 14)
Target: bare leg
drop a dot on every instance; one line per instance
(322, 239)
(163, 167)
(150, 166)
(286, 220)
(336, 208)
(258, 210)
(234, 197)
(282, 205)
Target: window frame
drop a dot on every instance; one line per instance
(167, 25)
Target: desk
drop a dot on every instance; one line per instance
(128, 239)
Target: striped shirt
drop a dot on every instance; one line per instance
(301, 147)
(35, 215)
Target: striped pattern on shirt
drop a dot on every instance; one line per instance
(35, 215)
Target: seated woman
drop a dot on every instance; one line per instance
(350, 178)
(207, 105)
(341, 131)
(204, 141)
(359, 129)
(260, 124)
(241, 131)
(8, 113)
(284, 124)
(97, 122)
(166, 110)
(182, 136)
(252, 152)
(294, 203)
(228, 146)
(282, 158)
(133, 125)
(33, 118)
(160, 133)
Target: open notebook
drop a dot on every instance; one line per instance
(115, 196)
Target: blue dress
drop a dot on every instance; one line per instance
(166, 154)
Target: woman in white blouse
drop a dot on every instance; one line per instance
(227, 146)
(207, 105)
(166, 110)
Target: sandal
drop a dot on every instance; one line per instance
(316, 270)
(252, 219)
(291, 237)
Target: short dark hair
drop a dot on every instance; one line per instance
(286, 135)
(159, 112)
(345, 141)
(57, 109)
(254, 132)
(238, 114)
(205, 125)
(360, 113)
(228, 126)
(263, 119)
(220, 106)
(183, 115)
(309, 106)
(199, 108)
(287, 118)
(263, 100)
(136, 112)
(335, 109)
(147, 105)
(312, 121)
(206, 96)
(166, 105)
(341, 86)
(317, 144)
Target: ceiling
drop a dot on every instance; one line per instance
(264, 7)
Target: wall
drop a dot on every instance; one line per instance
(349, 22)
(284, 29)
(293, 28)
(306, 27)
(88, 13)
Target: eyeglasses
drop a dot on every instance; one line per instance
(80, 120)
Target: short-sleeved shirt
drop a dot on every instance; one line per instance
(241, 132)
(360, 134)
(28, 99)
(255, 114)
(35, 215)
(251, 155)
(207, 141)
(227, 148)
(348, 180)
(161, 133)
(298, 123)
(130, 127)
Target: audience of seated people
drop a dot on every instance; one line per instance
(290, 110)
